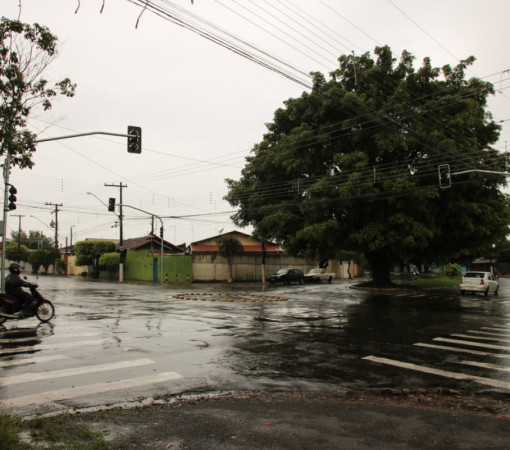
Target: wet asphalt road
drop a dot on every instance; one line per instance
(112, 343)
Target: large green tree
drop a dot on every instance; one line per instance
(353, 165)
(25, 53)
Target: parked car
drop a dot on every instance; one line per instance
(287, 276)
(319, 274)
(474, 282)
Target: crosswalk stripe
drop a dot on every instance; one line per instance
(65, 394)
(462, 350)
(485, 365)
(56, 345)
(30, 377)
(37, 359)
(496, 329)
(487, 333)
(439, 372)
(472, 344)
(481, 338)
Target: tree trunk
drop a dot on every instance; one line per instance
(380, 266)
(229, 271)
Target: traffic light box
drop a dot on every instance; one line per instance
(445, 179)
(111, 204)
(134, 139)
(12, 197)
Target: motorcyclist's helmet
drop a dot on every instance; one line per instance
(15, 268)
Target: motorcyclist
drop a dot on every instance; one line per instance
(14, 285)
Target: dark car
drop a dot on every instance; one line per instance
(287, 276)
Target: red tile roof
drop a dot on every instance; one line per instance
(270, 248)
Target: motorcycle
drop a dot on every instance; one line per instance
(12, 309)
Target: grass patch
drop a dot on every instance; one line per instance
(9, 429)
(440, 281)
(60, 432)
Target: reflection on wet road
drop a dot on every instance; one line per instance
(112, 343)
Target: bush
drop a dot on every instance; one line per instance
(452, 271)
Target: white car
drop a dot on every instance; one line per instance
(475, 281)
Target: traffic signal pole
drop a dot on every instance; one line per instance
(445, 175)
(7, 170)
(134, 135)
(121, 240)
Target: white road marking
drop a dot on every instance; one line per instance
(472, 344)
(481, 338)
(30, 377)
(485, 365)
(65, 394)
(496, 328)
(439, 372)
(462, 350)
(488, 333)
(37, 359)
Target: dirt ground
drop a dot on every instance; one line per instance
(389, 419)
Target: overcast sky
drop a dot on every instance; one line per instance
(201, 106)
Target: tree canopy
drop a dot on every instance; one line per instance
(33, 240)
(353, 166)
(25, 52)
(88, 253)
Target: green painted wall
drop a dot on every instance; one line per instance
(139, 267)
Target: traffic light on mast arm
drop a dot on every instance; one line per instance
(111, 204)
(134, 139)
(445, 179)
(12, 197)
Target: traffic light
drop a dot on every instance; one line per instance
(134, 139)
(111, 204)
(12, 197)
(445, 180)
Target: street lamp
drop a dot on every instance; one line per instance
(94, 195)
(45, 224)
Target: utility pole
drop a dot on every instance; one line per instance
(121, 239)
(56, 205)
(19, 235)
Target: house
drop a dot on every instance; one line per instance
(208, 265)
(143, 261)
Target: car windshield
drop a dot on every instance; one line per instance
(474, 275)
(282, 272)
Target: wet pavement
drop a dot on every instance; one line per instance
(115, 343)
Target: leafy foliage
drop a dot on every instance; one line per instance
(89, 252)
(34, 240)
(43, 257)
(452, 271)
(228, 247)
(352, 166)
(13, 252)
(109, 262)
(25, 52)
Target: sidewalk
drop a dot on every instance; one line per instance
(295, 421)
